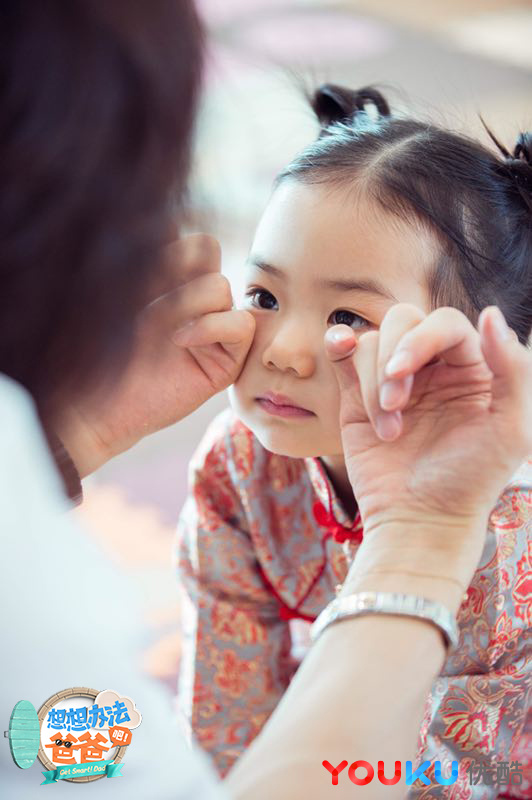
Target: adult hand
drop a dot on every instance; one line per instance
(189, 345)
(435, 417)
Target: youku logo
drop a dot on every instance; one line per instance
(501, 773)
(410, 776)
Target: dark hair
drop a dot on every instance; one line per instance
(97, 104)
(477, 203)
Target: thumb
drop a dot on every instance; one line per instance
(340, 344)
(511, 366)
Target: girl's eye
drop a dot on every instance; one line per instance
(260, 298)
(343, 317)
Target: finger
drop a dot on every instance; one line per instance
(357, 376)
(511, 365)
(398, 320)
(200, 296)
(234, 330)
(340, 342)
(365, 359)
(445, 333)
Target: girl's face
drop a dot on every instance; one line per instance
(319, 258)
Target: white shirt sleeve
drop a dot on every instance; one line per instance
(70, 619)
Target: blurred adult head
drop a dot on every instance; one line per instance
(97, 104)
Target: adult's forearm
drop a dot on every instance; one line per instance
(359, 694)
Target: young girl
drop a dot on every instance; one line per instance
(379, 210)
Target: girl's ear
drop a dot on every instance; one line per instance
(332, 103)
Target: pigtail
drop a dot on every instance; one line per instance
(517, 164)
(333, 104)
(521, 164)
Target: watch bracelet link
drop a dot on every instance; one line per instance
(405, 605)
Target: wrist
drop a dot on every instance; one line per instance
(85, 447)
(419, 557)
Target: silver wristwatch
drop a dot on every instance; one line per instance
(405, 605)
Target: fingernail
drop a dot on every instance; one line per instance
(388, 425)
(339, 335)
(399, 361)
(390, 394)
(501, 329)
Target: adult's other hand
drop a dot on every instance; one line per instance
(431, 454)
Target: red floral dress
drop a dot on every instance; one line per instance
(262, 542)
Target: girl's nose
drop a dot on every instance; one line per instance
(290, 351)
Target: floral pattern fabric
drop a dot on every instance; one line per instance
(262, 541)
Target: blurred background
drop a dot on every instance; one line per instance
(443, 59)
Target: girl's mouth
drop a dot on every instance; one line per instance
(281, 406)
